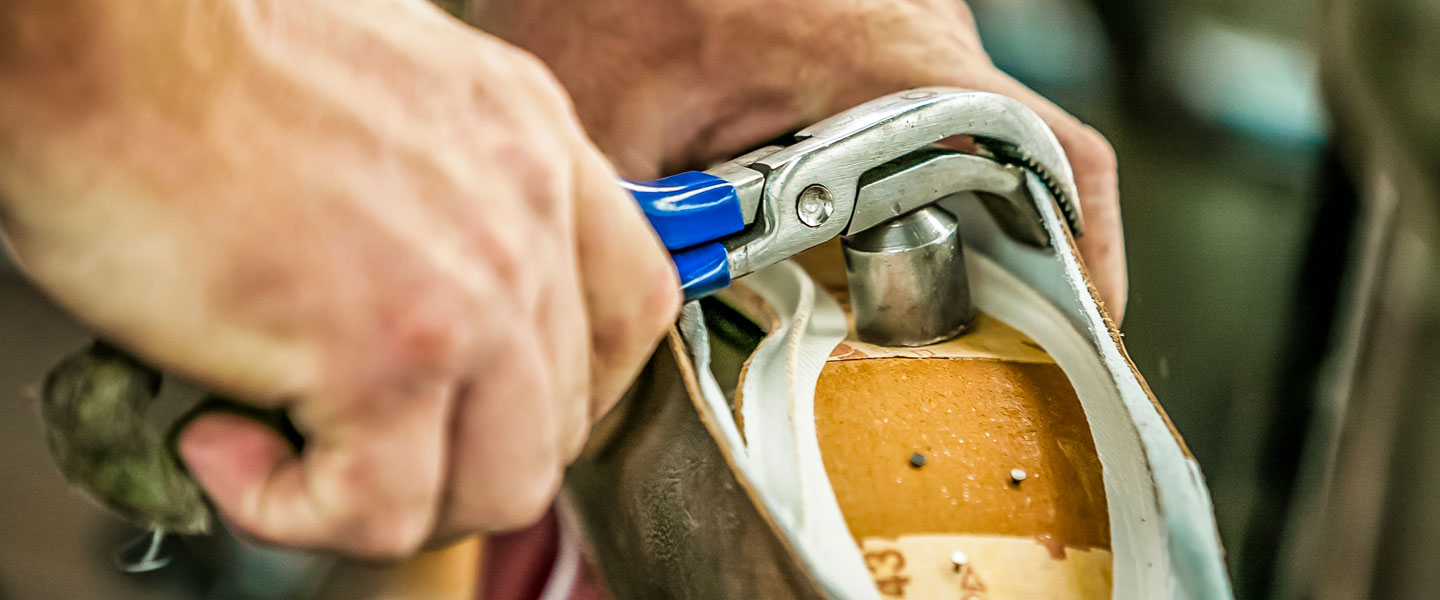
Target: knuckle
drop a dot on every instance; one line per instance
(572, 438)
(369, 520)
(574, 444)
(393, 537)
(551, 98)
(425, 334)
(380, 533)
(660, 303)
(1093, 153)
(537, 182)
(528, 502)
(650, 308)
(540, 80)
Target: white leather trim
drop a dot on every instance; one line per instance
(779, 414)
(1165, 489)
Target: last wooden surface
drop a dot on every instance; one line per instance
(976, 408)
(974, 421)
(965, 469)
(452, 573)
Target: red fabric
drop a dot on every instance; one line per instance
(517, 565)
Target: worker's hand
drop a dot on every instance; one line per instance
(667, 84)
(366, 211)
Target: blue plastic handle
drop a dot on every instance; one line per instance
(691, 212)
(690, 208)
(704, 270)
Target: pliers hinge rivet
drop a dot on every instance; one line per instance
(814, 206)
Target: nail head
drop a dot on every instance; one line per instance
(959, 559)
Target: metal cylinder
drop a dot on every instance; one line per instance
(908, 285)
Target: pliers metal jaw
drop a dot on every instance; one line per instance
(854, 171)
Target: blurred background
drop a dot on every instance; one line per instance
(1278, 162)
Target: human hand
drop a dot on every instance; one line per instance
(665, 85)
(366, 212)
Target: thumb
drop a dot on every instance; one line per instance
(233, 457)
(373, 497)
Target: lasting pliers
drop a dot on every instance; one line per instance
(854, 171)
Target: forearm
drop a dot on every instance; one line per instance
(663, 85)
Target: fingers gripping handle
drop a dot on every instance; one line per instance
(691, 212)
